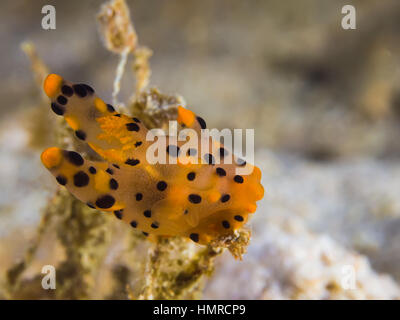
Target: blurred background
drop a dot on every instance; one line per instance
(324, 103)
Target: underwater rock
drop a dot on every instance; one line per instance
(287, 261)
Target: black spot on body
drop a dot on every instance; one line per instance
(139, 196)
(110, 171)
(132, 162)
(155, 225)
(136, 120)
(132, 127)
(74, 157)
(67, 90)
(240, 162)
(209, 158)
(79, 90)
(147, 213)
(194, 198)
(194, 237)
(226, 224)
(57, 109)
(225, 198)
(238, 218)
(173, 150)
(118, 214)
(110, 108)
(88, 88)
(80, 134)
(117, 115)
(138, 144)
(191, 152)
(223, 152)
(61, 180)
(191, 176)
(90, 205)
(221, 172)
(133, 224)
(105, 202)
(113, 184)
(81, 179)
(161, 185)
(62, 100)
(238, 179)
(115, 166)
(201, 122)
(92, 170)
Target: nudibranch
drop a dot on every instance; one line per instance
(200, 201)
